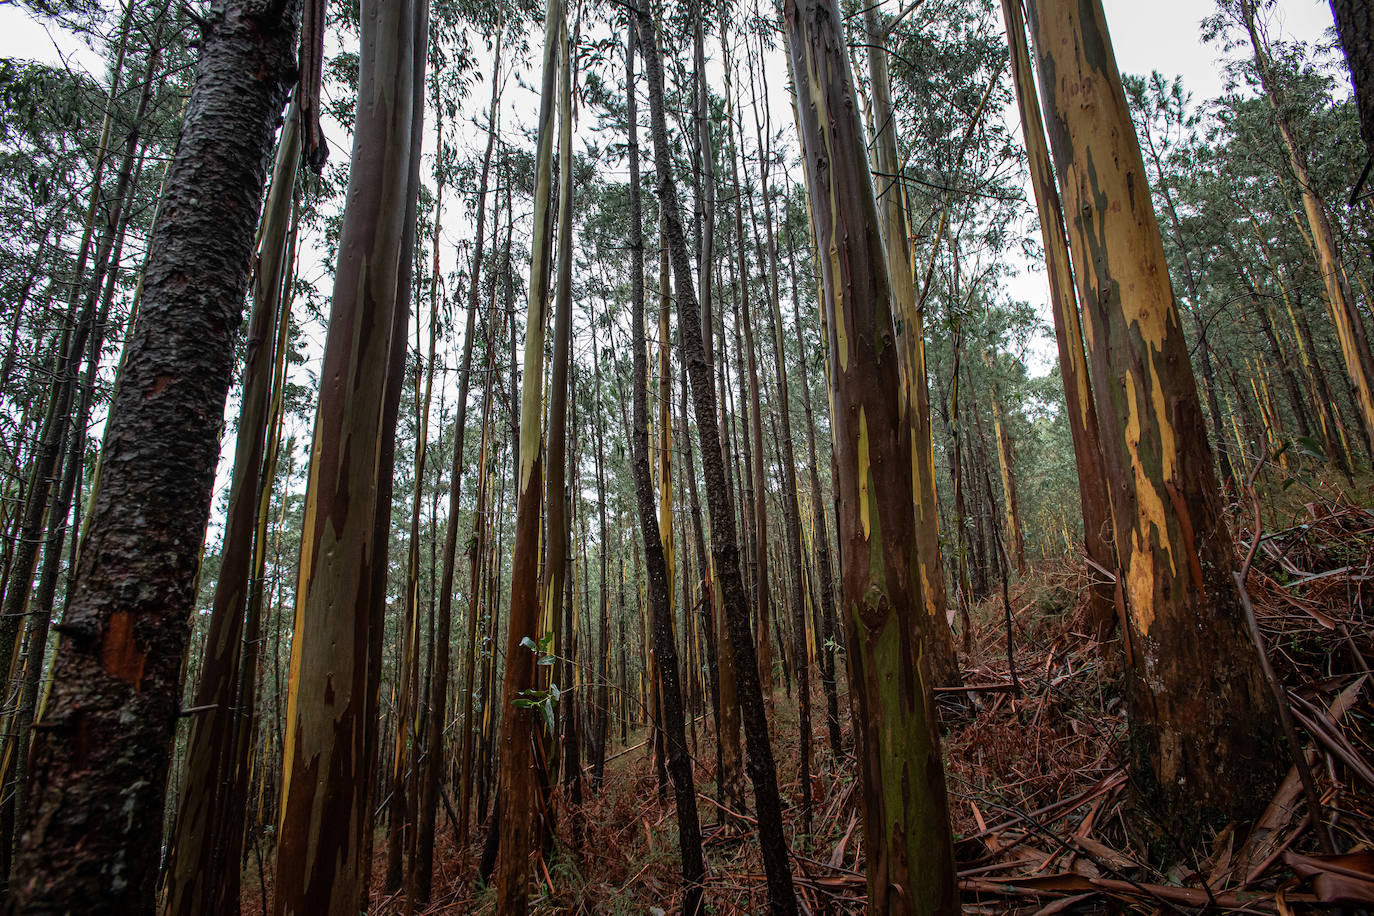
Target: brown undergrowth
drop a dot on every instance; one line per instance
(1039, 799)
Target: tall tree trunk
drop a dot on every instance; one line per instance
(330, 753)
(1202, 720)
(910, 856)
(911, 355)
(656, 533)
(826, 633)
(516, 796)
(1345, 314)
(200, 877)
(724, 545)
(438, 700)
(101, 751)
(1068, 332)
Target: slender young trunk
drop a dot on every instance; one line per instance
(1068, 331)
(116, 676)
(820, 535)
(656, 538)
(909, 850)
(1006, 462)
(1202, 719)
(724, 546)
(516, 795)
(601, 723)
(556, 519)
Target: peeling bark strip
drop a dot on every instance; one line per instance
(325, 814)
(100, 756)
(1203, 723)
(910, 856)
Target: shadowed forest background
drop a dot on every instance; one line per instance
(606, 457)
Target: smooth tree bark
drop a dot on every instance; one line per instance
(443, 627)
(911, 354)
(1203, 723)
(330, 751)
(516, 796)
(655, 530)
(101, 749)
(724, 542)
(908, 843)
(1068, 330)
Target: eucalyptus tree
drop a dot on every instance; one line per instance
(323, 856)
(909, 850)
(1203, 722)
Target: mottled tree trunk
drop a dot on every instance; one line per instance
(911, 355)
(908, 846)
(1068, 331)
(330, 752)
(1202, 721)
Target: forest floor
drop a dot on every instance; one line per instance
(1039, 798)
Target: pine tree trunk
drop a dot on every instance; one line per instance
(201, 879)
(1355, 27)
(724, 546)
(101, 749)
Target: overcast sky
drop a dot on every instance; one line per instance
(1162, 35)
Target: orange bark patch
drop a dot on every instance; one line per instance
(120, 655)
(159, 385)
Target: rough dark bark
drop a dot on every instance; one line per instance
(101, 751)
(678, 762)
(201, 878)
(1355, 26)
(724, 544)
